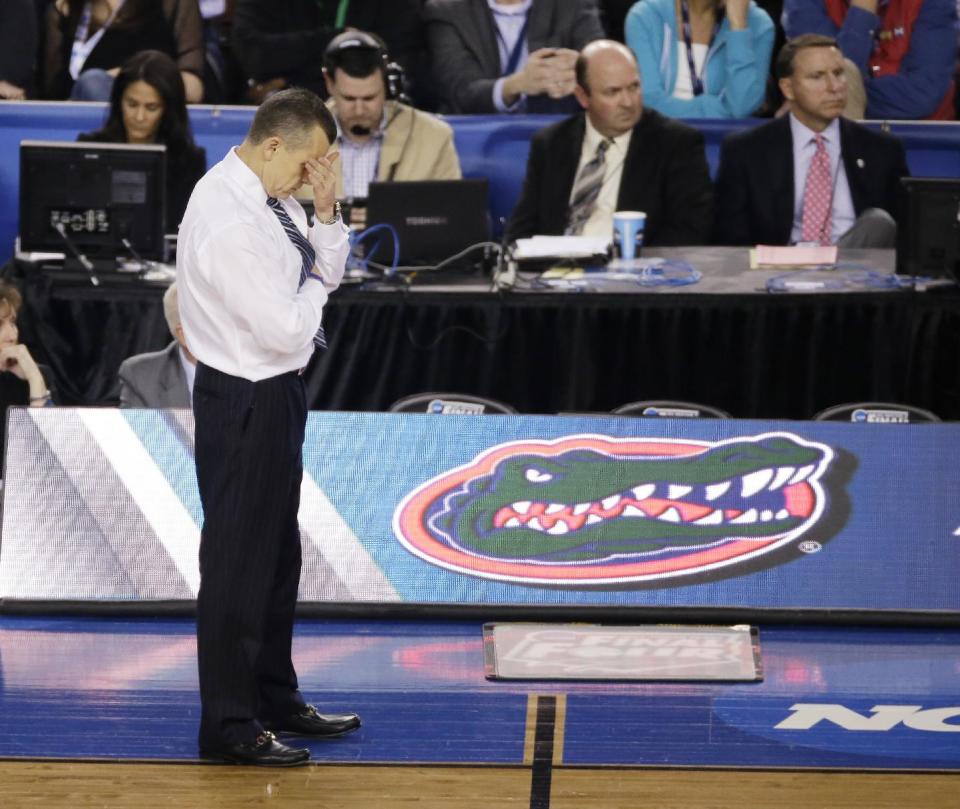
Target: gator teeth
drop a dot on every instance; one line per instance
(593, 519)
(715, 490)
(755, 482)
(802, 474)
(609, 502)
(559, 527)
(766, 515)
(513, 522)
(782, 514)
(715, 517)
(644, 491)
(676, 492)
(745, 518)
(782, 476)
(670, 515)
(535, 525)
(581, 508)
(521, 506)
(632, 511)
(553, 508)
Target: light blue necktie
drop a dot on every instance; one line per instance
(307, 252)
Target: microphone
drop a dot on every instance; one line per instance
(143, 263)
(84, 261)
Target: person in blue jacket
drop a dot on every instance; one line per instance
(904, 49)
(701, 58)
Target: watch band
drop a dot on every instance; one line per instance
(336, 215)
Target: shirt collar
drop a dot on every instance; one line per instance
(592, 138)
(243, 175)
(802, 134)
(510, 11)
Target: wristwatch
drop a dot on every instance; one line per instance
(336, 215)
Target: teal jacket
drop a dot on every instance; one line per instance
(736, 68)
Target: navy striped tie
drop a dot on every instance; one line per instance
(307, 253)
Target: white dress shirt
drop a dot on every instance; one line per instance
(600, 222)
(804, 147)
(238, 275)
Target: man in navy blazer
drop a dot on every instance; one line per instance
(762, 172)
(652, 163)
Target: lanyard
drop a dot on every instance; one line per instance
(82, 47)
(696, 80)
(514, 59)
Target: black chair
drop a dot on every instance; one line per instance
(876, 413)
(455, 404)
(669, 408)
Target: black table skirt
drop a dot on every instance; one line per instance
(753, 355)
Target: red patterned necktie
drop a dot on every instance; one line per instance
(818, 197)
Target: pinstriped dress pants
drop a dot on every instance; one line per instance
(249, 457)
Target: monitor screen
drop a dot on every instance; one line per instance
(928, 234)
(100, 193)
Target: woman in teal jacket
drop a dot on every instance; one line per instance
(720, 52)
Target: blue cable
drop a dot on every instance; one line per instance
(360, 261)
(835, 277)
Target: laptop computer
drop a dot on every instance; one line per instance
(928, 234)
(434, 219)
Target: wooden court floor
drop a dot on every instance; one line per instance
(102, 712)
(112, 785)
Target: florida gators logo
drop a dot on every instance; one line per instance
(594, 509)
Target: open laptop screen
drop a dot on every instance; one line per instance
(434, 219)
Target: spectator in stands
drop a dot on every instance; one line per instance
(619, 156)
(87, 42)
(22, 381)
(380, 138)
(812, 175)
(161, 378)
(508, 55)
(18, 45)
(280, 43)
(904, 49)
(612, 14)
(147, 106)
(702, 58)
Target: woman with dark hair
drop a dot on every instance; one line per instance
(22, 381)
(88, 40)
(147, 106)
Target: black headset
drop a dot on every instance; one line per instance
(393, 75)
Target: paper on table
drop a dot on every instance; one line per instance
(560, 247)
(797, 255)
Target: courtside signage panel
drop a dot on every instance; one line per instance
(509, 510)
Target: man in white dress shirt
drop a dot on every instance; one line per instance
(253, 277)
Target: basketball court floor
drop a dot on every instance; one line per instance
(102, 711)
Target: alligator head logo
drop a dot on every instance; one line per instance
(591, 509)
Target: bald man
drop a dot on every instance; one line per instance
(642, 160)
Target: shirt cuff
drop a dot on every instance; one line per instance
(498, 101)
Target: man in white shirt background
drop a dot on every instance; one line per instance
(253, 277)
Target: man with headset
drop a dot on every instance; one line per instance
(380, 137)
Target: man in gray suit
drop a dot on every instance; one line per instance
(160, 378)
(493, 56)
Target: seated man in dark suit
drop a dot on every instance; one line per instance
(161, 378)
(810, 176)
(616, 157)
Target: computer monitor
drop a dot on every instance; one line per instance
(100, 194)
(928, 234)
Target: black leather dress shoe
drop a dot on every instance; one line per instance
(265, 751)
(311, 723)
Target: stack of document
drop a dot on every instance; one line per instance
(540, 247)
